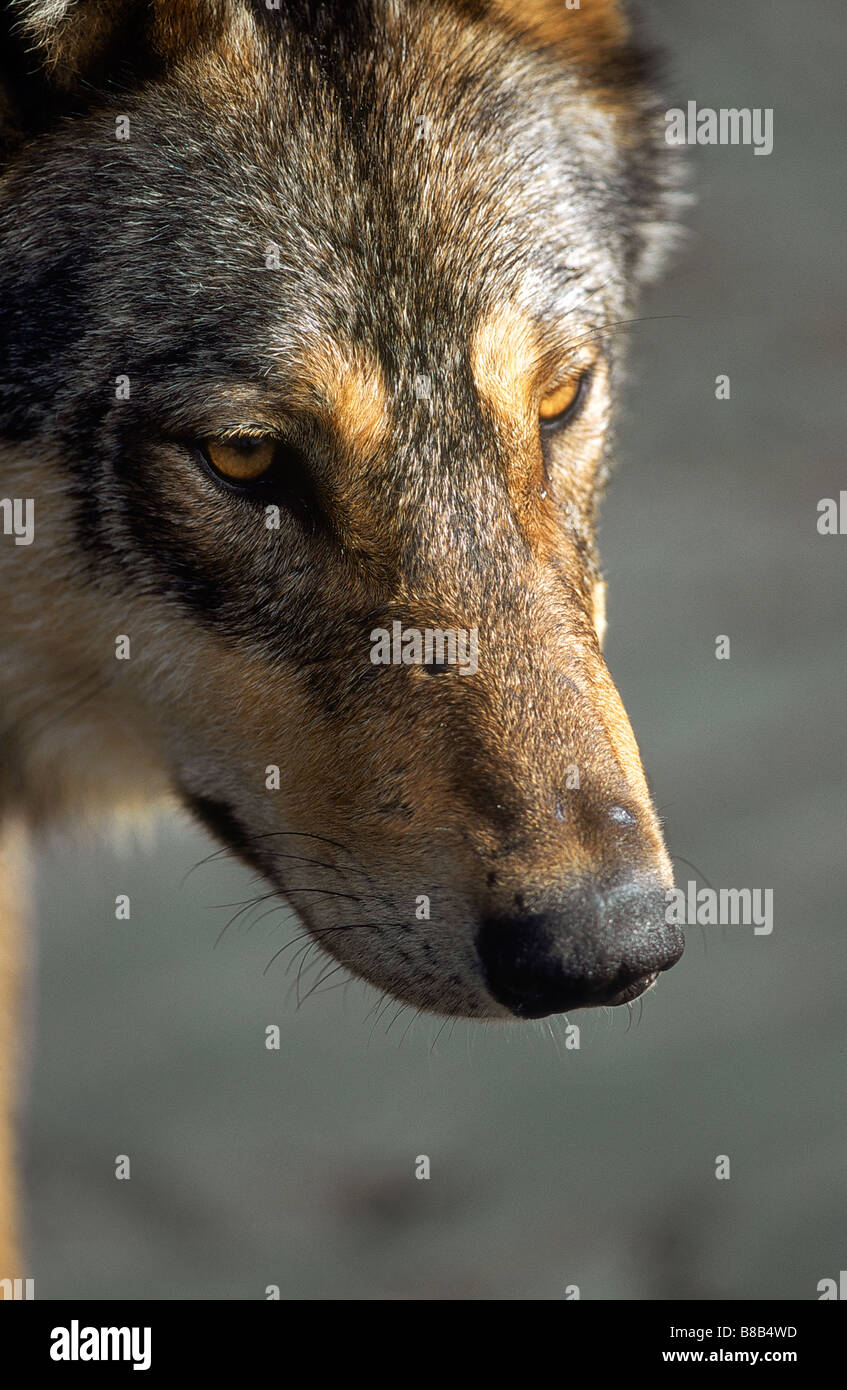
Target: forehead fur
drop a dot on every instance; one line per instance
(496, 98)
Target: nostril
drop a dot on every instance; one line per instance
(619, 815)
(591, 948)
(519, 963)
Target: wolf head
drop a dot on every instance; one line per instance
(308, 353)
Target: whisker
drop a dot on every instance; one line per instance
(400, 1010)
(415, 1015)
(326, 973)
(438, 1035)
(376, 1019)
(245, 908)
(328, 931)
(698, 872)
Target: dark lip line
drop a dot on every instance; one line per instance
(634, 991)
(624, 996)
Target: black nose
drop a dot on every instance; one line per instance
(592, 948)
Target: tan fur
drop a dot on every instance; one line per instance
(357, 397)
(504, 355)
(589, 34)
(512, 366)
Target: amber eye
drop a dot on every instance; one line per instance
(241, 459)
(263, 469)
(564, 403)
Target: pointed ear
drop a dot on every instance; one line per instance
(590, 32)
(75, 41)
(58, 56)
(65, 39)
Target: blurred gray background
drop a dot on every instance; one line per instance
(550, 1167)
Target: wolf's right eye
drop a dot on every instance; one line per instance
(264, 469)
(242, 459)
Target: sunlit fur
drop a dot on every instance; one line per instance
(467, 193)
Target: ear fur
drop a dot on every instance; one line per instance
(592, 33)
(56, 56)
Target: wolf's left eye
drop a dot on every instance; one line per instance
(563, 404)
(241, 459)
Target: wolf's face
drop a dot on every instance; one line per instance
(310, 333)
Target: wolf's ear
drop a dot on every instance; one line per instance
(64, 39)
(588, 31)
(55, 55)
(73, 41)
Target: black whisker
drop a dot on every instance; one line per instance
(698, 872)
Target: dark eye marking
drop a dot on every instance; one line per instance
(264, 470)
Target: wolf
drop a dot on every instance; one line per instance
(309, 327)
